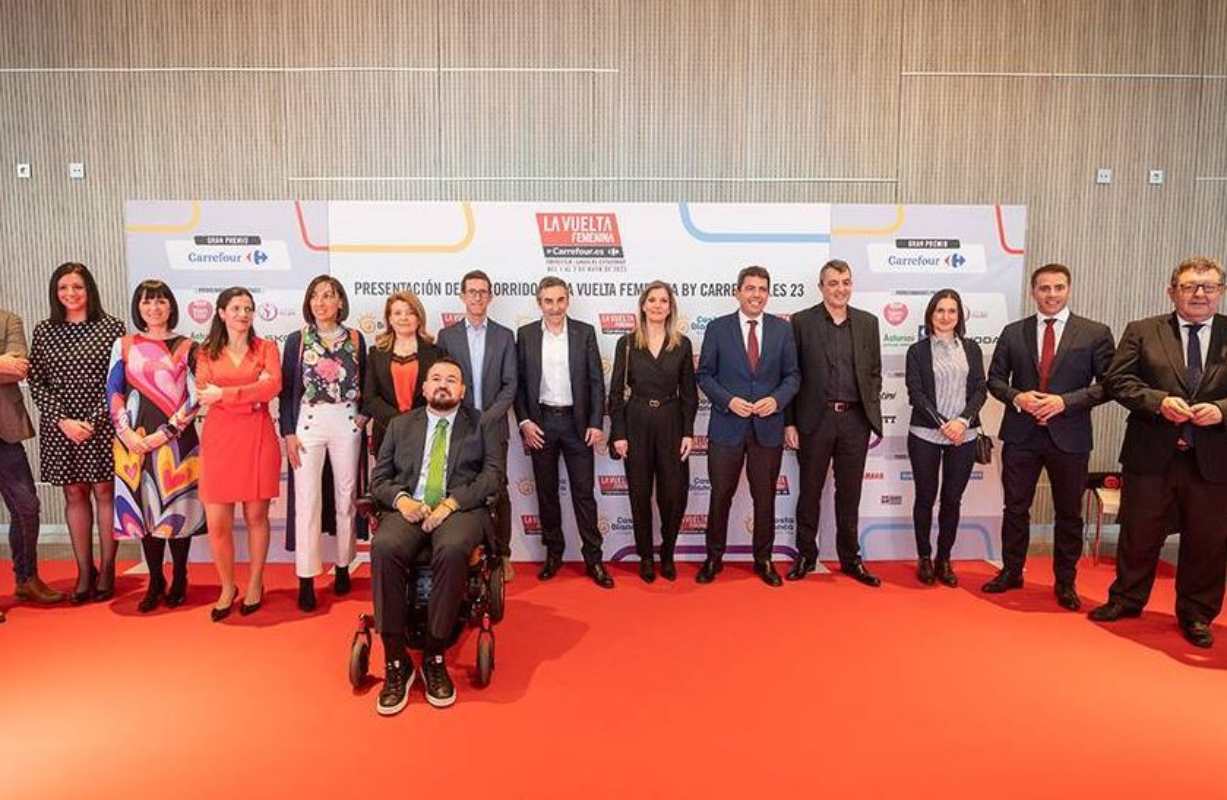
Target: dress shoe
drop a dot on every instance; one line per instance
(647, 570)
(550, 568)
(509, 572)
(219, 614)
(246, 609)
(1067, 596)
(83, 595)
(306, 595)
(766, 571)
(104, 588)
(924, 571)
(1113, 610)
(708, 572)
(153, 595)
(668, 570)
(801, 567)
(856, 570)
(178, 592)
(600, 576)
(945, 573)
(340, 581)
(1197, 633)
(1004, 582)
(36, 591)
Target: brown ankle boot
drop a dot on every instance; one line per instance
(38, 592)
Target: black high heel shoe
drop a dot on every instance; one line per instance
(153, 595)
(177, 594)
(219, 614)
(80, 596)
(247, 609)
(102, 595)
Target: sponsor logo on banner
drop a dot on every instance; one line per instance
(699, 325)
(267, 312)
(927, 256)
(606, 367)
(617, 323)
(781, 486)
(581, 241)
(782, 524)
(368, 324)
(891, 500)
(894, 313)
(693, 523)
(698, 446)
(531, 523)
(602, 524)
(525, 486)
(451, 317)
(227, 254)
(704, 403)
(698, 484)
(613, 485)
(875, 476)
(200, 311)
(906, 475)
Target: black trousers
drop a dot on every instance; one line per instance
(1020, 471)
(654, 439)
(502, 514)
(842, 437)
(562, 439)
(953, 465)
(724, 463)
(1154, 506)
(393, 552)
(17, 489)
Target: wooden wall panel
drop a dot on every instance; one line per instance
(361, 33)
(206, 33)
(539, 33)
(63, 33)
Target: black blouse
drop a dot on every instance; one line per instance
(668, 375)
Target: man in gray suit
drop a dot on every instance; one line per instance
(16, 480)
(487, 355)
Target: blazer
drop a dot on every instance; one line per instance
(810, 407)
(724, 373)
(379, 393)
(1149, 366)
(498, 368)
(290, 400)
(1078, 373)
(668, 377)
(587, 377)
(922, 386)
(475, 465)
(14, 421)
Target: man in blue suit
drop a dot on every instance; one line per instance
(748, 369)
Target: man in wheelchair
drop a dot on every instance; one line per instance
(436, 468)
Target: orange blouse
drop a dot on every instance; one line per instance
(405, 379)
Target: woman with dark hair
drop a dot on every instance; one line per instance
(321, 382)
(398, 363)
(69, 356)
(946, 388)
(237, 374)
(653, 399)
(153, 404)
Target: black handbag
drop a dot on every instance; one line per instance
(984, 449)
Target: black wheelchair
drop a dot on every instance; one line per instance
(481, 607)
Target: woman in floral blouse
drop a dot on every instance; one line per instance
(322, 371)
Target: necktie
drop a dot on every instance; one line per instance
(752, 346)
(1192, 376)
(438, 461)
(1048, 352)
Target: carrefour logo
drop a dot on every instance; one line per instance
(257, 257)
(931, 259)
(206, 254)
(956, 260)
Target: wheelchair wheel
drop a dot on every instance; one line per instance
(497, 591)
(359, 660)
(485, 658)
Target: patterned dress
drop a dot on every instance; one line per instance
(68, 380)
(150, 390)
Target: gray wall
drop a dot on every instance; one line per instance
(877, 101)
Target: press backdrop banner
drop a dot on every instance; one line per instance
(607, 252)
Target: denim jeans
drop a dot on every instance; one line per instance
(17, 488)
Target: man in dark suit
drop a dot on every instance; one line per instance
(838, 405)
(437, 467)
(560, 400)
(486, 352)
(1170, 371)
(1048, 369)
(748, 369)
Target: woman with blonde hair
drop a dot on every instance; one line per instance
(397, 364)
(653, 400)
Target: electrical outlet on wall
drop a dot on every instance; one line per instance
(23, 170)
(1103, 176)
(1156, 177)
(76, 170)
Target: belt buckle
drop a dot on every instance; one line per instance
(654, 403)
(839, 406)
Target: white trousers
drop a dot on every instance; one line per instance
(325, 428)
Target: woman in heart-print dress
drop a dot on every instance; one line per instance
(153, 403)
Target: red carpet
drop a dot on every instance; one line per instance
(676, 690)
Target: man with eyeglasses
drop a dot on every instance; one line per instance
(1049, 371)
(1169, 372)
(487, 355)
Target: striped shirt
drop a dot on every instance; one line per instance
(950, 382)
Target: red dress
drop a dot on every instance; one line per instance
(240, 456)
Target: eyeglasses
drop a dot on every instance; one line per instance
(477, 293)
(1208, 289)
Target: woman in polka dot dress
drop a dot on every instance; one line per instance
(69, 356)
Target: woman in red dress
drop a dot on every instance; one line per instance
(237, 374)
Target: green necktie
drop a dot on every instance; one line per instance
(438, 460)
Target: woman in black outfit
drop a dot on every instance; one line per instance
(397, 364)
(652, 404)
(947, 389)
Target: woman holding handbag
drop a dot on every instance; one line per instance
(946, 388)
(652, 405)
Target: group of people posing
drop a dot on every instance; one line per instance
(118, 417)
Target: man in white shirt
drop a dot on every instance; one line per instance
(560, 403)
